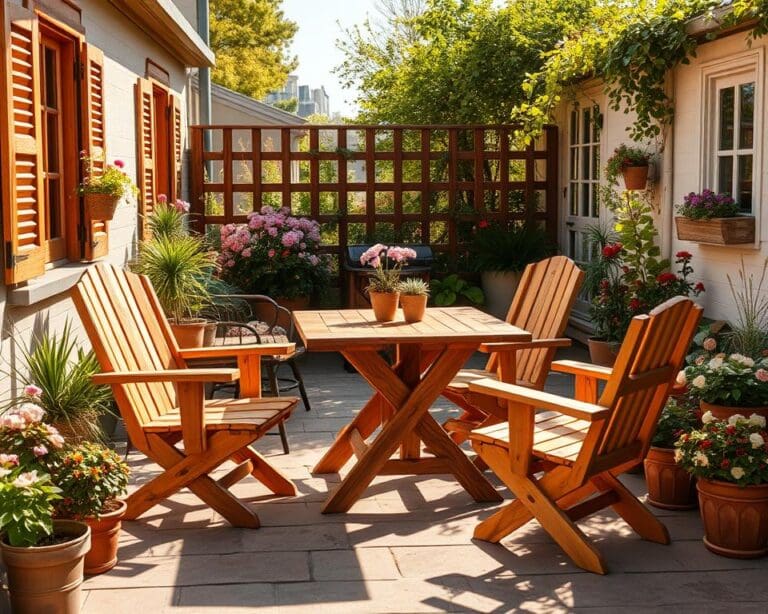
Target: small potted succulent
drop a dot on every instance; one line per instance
(384, 284)
(730, 460)
(670, 487)
(91, 478)
(630, 162)
(707, 217)
(103, 186)
(414, 293)
(43, 556)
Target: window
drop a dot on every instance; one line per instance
(734, 152)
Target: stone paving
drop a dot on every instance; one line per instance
(405, 547)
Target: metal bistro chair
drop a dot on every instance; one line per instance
(256, 318)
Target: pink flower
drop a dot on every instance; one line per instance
(31, 413)
(119, 164)
(372, 252)
(181, 206)
(57, 441)
(709, 344)
(9, 459)
(272, 231)
(314, 260)
(40, 450)
(762, 375)
(271, 253)
(162, 198)
(12, 421)
(32, 391)
(246, 253)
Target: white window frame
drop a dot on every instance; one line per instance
(716, 75)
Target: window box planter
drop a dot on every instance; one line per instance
(718, 231)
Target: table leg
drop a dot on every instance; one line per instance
(409, 370)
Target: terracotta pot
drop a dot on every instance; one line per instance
(601, 352)
(723, 412)
(209, 334)
(105, 533)
(670, 487)
(414, 306)
(189, 334)
(48, 578)
(300, 303)
(101, 206)
(635, 177)
(735, 518)
(499, 288)
(384, 305)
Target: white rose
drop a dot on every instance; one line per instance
(699, 381)
(31, 412)
(707, 417)
(700, 459)
(737, 473)
(715, 363)
(4, 472)
(25, 479)
(755, 420)
(681, 380)
(678, 455)
(757, 441)
(741, 359)
(735, 419)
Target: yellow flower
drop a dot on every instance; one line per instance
(618, 227)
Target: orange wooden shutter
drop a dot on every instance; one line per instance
(176, 146)
(145, 112)
(96, 232)
(22, 155)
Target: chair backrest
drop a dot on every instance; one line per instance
(128, 332)
(542, 305)
(651, 354)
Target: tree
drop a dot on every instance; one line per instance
(250, 39)
(290, 104)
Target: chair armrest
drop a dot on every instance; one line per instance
(575, 367)
(561, 342)
(169, 375)
(540, 400)
(223, 351)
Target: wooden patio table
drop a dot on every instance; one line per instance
(428, 356)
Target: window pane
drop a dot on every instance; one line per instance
(52, 143)
(574, 127)
(574, 204)
(745, 183)
(725, 174)
(54, 207)
(726, 118)
(572, 244)
(585, 132)
(50, 78)
(585, 199)
(595, 124)
(746, 115)
(585, 163)
(574, 164)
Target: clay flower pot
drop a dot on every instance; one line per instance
(48, 578)
(414, 306)
(723, 412)
(105, 533)
(635, 177)
(384, 305)
(601, 352)
(190, 333)
(735, 518)
(101, 206)
(670, 487)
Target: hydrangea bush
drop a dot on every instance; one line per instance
(733, 451)
(387, 263)
(274, 253)
(707, 205)
(727, 379)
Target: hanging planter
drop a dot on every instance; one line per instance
(101, 206)
(635, 177)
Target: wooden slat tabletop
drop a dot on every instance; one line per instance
(334, 330)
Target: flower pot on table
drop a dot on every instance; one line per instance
(384, 305)
(414, 306)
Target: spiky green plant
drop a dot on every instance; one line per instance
(414, 286)
(179, 269)
(749, 332)
(166, 221)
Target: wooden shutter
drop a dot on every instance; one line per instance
(95, 232)
(22, 156)
(145, 113)
(174, 106)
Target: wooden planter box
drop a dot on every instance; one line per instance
(718, 231)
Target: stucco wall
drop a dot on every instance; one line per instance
(126, 49)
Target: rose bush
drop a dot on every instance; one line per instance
(727, 379)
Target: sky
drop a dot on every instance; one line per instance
(321, 23)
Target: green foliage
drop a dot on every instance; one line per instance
(749, 332)
(414, 286)
(291, 105)
(26, 506)
(112, 180)
(624, 156)
(251, 39)
(90, 477)
(447, 291)
(167, 220)
(508, 247)
(734, 380)
(677, 417)
(178, 268)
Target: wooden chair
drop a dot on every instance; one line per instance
(162, 401)
(542, 305)
(582, 446)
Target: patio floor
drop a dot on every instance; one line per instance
(405, 547)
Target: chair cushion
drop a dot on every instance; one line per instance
(556, 437)
(259, 414)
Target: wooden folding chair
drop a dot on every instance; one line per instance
(582, 446)
(162, 401)
(542, 305)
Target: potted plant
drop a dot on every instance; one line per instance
(168, 219)
(178, 267)
(414, 293)
(670, 487)
(276, 254)
(91, 478)
(500, 253)
(103, 189)
(57, 376)
(707, 217)
(452, 288)
(43, 556)
(384, 284)
(630, 162)
(730, 460)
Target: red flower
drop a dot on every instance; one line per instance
(285, 253)
(705, 444)
(684, 255)
(666, 278)
(730, 429)
(725, 463)
(699, 287)
(612, 250)
(483, 224)
(119, 163)
(635, 304)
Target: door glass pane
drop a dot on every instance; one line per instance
(585, 199)
(595, 162)
(574, 127)
(585, 174)
(726, 118)
(574, 203)
(574, 164)
(744, 192)
(595, 124)
(586, 126)
(746, 115)
(725, 174)
(572, 244)
(49, 57)
(595, 200)
(54, 206)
